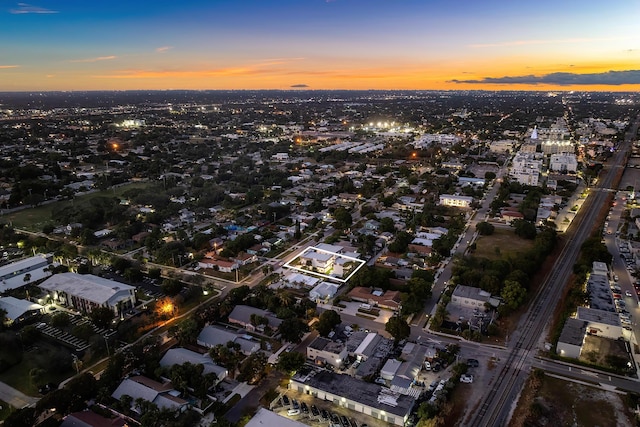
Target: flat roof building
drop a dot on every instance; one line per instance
(356, 395)
(84, 292)
(266, 418)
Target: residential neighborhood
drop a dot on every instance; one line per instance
(348, 258)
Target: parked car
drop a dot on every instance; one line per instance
(466, 379)
(304, 407)
(314, 410)
(473, 363)
(285, 400)
(292, 412)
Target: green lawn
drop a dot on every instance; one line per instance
(34, 219)
(506, 242)
(19, 376)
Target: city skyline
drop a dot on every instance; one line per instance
(319, 44)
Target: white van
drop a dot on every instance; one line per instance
(365, 306)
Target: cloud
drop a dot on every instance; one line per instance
(163, 49)
(613, 78)
(151, 74)
(4, 67)
(24, 8)
(552, 41)
(265, 67)
(97, 59)
(299, 86)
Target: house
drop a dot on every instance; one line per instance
(470, 297)
(320, 261)
(89, 418)
(163, 395)
(212, 336)
(244, 258)
(324, 351)
(180, 356)
(241, 315)
(455, 200)
(387, 299)
(510, 215)
(216, 263)
(84, 292)
(323, 292)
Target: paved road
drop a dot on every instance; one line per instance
(14, 397)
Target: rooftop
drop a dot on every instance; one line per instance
(573, 332)
(357, 391)
(598, 316)
(86, 286)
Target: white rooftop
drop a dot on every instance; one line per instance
(17, 307)
(86, 286)
(266, 418)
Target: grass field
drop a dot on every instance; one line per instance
(501, 243)
(38, 359)
(33, 219)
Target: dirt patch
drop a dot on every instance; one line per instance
(548, 401)
(600, 351)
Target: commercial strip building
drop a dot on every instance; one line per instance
(367, 398)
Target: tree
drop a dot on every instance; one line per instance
(328, 320)
(292, 329)
(171, 287)
(513, 295)
(154, 273)
(387, 225)
(488, 175)
(101, 317)
(485, 228)
(60, 320)
(186, 332)
(398, 328)
(252, 368)
(290, 361)
(343, 218)
(227, 356)
(524, 229)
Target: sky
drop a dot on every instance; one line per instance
(320, 44)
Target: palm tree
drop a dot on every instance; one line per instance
(285, 297)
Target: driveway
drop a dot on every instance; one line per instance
(251, 401)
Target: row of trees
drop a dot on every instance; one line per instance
(508, 276)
